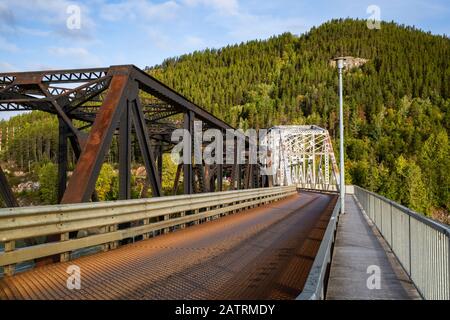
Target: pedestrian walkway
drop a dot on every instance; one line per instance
(358, 248)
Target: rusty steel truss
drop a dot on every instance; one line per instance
(93, 105)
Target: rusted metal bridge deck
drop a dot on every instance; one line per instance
(261, 253)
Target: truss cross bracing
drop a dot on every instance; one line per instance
(303, 155)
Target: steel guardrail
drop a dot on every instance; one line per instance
(314, 288)
(146, 216)
(421, 245)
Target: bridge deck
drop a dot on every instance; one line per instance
(358, 246)
(263, 253)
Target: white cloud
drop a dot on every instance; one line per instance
(159, 39)
(7, 20)
(194, 42)
(138, 9)
(230, 7)
(52, 14)
(33, 32)
(5, 45)
(82, 56)
(247, 26)
(7, 67)
(241, 25)
(59, 51)
(177, 45)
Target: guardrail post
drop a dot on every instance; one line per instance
(224, 214)
(409, 245)
(392, 231)
(105, 229)
(114, 244)
(145, 236)
(196, 212)
(208, 218)
(381, 218)
(166, 230)
(65, 256)
(9, 269)
(183, 214)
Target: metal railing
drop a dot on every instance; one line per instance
(318, 186)
(420, 244)
(314, 288)
(105, 221)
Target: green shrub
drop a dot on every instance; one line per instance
(48, 178)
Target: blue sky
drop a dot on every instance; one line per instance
(34, 34)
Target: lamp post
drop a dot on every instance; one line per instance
(340, 64)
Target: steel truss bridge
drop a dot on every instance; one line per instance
(303, 155)
(276, 236)
(122, 101)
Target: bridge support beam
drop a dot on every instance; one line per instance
(219, 177)
(6, 192)
(188, 176)
(125, 154)
(159, 160)
(107, 100)
(82, 183)
(146, 150)
(62, 158)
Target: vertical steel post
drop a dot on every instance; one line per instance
(146, 149)
(236, 167)
(187, 167)
(340, 64)
(177, 179)
(125, 153)
(6, 192)
(159, 159)
(220, 165)
(219, 177)
(62, 158)
(313, 145)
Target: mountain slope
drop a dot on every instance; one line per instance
(294, 72)
(396, 105)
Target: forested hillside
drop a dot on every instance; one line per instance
(397, 105)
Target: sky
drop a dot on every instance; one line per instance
(47, 34)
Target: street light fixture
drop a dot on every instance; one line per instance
(340, 65)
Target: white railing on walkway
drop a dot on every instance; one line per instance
(102, 219)
(420, 244)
